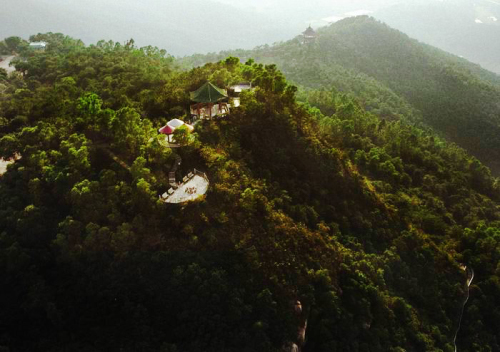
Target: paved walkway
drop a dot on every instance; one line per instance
(4, 163)
(5, 63)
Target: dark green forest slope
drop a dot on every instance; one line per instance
(393, 76)
(365, 220)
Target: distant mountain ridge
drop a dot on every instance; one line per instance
(179, 26)
(367, 59)
(466, 28)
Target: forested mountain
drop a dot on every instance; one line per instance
(394, 76)
(469, 28)
(366, 220)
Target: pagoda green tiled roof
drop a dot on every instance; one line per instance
(208, 93)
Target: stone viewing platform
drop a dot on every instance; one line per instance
(193, 186)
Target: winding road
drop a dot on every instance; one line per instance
(470, 277)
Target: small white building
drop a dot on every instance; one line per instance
(38, 46)
(238, 88)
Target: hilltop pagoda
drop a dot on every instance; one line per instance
(209, 101)
(309, 35)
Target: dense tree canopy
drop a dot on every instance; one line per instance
(365, 220)
(394, 77)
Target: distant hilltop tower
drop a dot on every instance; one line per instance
(309, 35)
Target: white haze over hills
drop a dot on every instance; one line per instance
(469, 28)
(182, 27)
(463, 27)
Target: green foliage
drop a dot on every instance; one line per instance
(360, 216)
(182, 136)
(11, 45)
(392, 76)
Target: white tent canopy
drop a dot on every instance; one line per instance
(175, 123)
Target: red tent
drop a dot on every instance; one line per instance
(166, 130)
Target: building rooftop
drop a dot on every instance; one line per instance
(38, 45)
(309, 31)
(208, 93)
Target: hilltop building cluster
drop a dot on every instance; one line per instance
(206, 102)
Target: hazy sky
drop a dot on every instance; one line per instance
(180, 26)
(184, 27)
